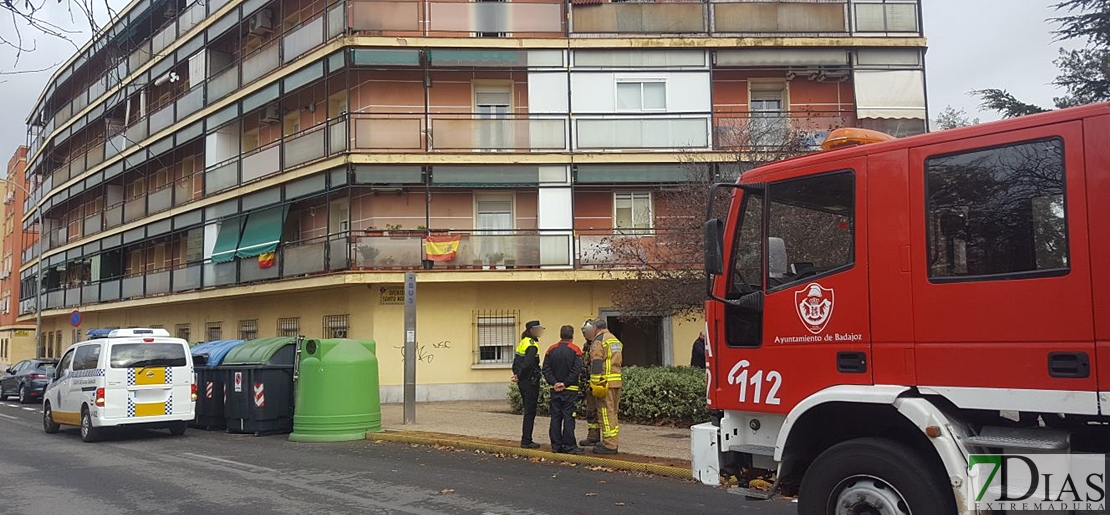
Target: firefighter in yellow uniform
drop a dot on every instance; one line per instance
(593, 435)
(605, 385)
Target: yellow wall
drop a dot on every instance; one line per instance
(21, 345)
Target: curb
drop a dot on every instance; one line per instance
(580, 459)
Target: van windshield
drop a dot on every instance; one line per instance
(135, 355)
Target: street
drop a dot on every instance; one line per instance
(218, 473)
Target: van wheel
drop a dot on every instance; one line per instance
(178, 429)
(89, 434)
(48, 423)
(875, 476)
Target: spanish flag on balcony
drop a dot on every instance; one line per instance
(441, 248)
(266, 260)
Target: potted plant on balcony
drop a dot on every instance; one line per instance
(510, 263)
(495, 258)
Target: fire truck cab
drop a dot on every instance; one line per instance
(881, 312)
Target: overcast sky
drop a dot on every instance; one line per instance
(972, 45)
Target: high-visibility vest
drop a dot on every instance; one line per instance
(610, 351)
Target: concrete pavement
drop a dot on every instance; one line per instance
(213, 473)
(492, 420)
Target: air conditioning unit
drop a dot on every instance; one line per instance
(269, 114)
(262, 22)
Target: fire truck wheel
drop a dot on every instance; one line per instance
(875, 476)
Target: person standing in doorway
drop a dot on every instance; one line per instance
(606, 357)
(562, 368)
(697, 352)
(526, 374)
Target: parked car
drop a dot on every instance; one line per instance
(26, 379)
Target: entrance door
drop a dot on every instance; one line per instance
(642, 338)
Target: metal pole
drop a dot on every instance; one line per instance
(410, 348)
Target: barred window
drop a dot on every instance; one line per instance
(214, 331)
(290, 327)
(496, 336)
(336, 326)
(181, 331)
(248, 329)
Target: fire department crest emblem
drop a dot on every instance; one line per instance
(815, 306)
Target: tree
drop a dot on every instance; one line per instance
(952, 118)
(24, 20)
(1084, 73)
(664, 273)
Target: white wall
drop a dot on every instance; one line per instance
(555, 209)
(596, 92)
(547, 93)
(221, 145)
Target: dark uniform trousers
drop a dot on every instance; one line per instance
(562, 420)
(530, 393)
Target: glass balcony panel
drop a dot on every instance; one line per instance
(191, 17)
(260, 63)
(337, 19)
(115, 145)
(221, 177)
(160, 200)
(337, 253)
(161, 119)
(134, 209)
(382, 16)
(778, 17)
(183, 191)
(93, 224)
(496, 17)
(639, 18)
(163, 39)
(250, 272)
(90, 294)
(188, 278)
(190, 103)
(303, 259)
(337, 137)
(388, 134)
(132, 287)
(499, 134)
(137, 132)
(94, 156)
(261, 164)
(388, 251)
(306, 147)
(219, 274)
(303, 39)
(55, 299)
(109, 290)
(73, 297)
(113, 216)
(659, 133)
(158, 283)
(223, 83)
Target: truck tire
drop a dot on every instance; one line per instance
(873, 475)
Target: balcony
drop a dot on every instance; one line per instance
(398, 251)
(489, 19)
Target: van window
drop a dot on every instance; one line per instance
(133, 355)
(997, 212)
(86, 357)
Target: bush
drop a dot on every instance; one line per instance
(649, 395)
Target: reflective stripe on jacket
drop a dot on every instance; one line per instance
(605, 360)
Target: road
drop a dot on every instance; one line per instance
(217, 473)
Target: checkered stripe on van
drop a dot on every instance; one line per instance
(130, 407)
(169, 405)
(131, 381)
(169, 375)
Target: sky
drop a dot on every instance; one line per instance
(1014, 50)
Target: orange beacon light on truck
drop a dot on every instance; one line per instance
(851, 137)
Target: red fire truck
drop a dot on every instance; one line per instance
(878, 313)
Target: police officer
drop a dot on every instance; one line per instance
(526, 373)
(605, 384)
(593, 434)
(562, 369)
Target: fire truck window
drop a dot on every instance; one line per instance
(997, 212)
(811, 227)
(744, 328)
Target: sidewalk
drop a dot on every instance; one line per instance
(491, 420)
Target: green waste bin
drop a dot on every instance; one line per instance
(337, 396)
(258, 381)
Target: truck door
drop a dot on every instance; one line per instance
(800, 242)
(1001, 272)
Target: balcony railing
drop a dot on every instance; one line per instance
(396, 251)
(438, 18)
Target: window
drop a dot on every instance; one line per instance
(214, 331)
(289, 327)
(642, 95)
(50, 345)
(86, 357)
(182, 331)
(632, 210)
(64, 364)
(886, 16)
(998, 211)
(744, 327)
(496, 337)
(248, 329)
(134, 355)
(810, 229)
(769, 122)
(336, 326)
(493, 214)
(493, 102)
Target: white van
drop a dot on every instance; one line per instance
(133, 378)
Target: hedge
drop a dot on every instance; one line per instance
(649, 395)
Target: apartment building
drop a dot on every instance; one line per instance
(237, 169)
(17, 338)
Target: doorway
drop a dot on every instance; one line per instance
(644, 339)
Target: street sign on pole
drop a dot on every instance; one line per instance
(75, 318)
(410, 348)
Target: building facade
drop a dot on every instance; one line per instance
(236, 169)
(17, 338)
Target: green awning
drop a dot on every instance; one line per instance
(227, 240)
(262, 232)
